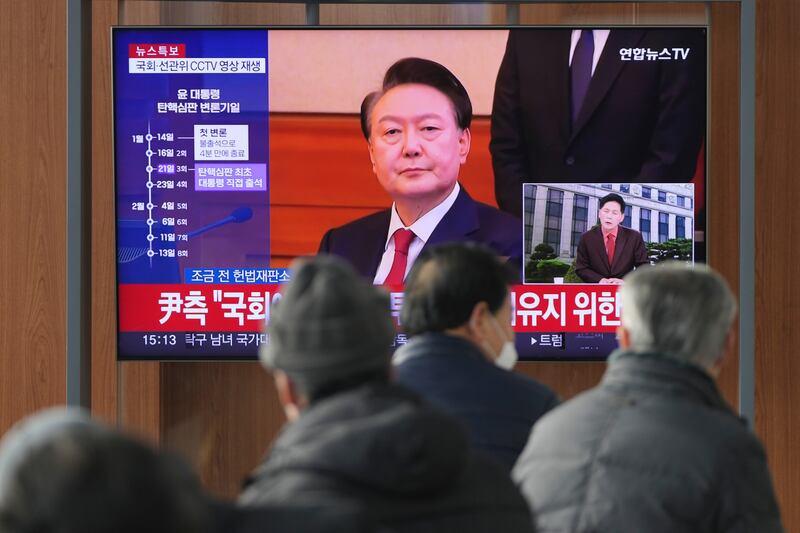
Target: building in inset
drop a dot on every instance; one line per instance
(559, 213)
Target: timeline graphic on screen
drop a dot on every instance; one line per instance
(240, 149)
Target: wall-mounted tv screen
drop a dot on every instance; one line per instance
(576, 154)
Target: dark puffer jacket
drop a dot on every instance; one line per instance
(404, 463)
(497, 407)
(289, 518)
(653, 448)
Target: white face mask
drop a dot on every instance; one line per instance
(508, 353)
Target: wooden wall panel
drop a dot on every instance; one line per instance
(103, 256)
(197, 12)
(660, 14)
(418, 14)
(138, 12)
(723, 166)
(776, 258)
(232, 13)
(33, 204)
(614, 13)
(608, 13)
(141, 399)
(222, 416)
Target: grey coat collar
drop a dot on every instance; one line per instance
(654, 373)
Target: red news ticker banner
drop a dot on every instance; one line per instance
(136, 51)
(245, 308)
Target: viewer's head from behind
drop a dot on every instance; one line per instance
(60, 472)
(417, 130)
(460, 289)
(330, 331)
(678, 311)
(611, 211)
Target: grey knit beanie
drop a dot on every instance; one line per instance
(329, 321)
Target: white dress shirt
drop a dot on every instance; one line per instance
(600, 38)
(422, 228)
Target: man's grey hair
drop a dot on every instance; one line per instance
(678, 311)
(62, 472)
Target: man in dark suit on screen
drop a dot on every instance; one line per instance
(591, 104)
(609, 251)
(417, 131)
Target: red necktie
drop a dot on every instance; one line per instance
(402, 240)
(610, 248)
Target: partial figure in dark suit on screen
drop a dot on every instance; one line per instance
(609, 251)
(417, 131)
(585, 105)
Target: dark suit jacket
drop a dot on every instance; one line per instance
(641, 121)
(362, 241)
(591, 262)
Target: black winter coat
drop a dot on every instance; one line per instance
(289, 518)
(653, 448)
(405, 463)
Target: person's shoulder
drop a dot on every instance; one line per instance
(488, 488)
(592, 233)
(594, 230)
(368, 226)
(630, 231)
(299, 514)
(529, 388)
(725, 430)
(433, 353)
(378, 219)
(491, 216)
(703, 423)
(583, 407)
(717, 437)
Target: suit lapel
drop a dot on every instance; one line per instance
(621, 242)
(608, 68)
(370, 251)
(459, 221)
